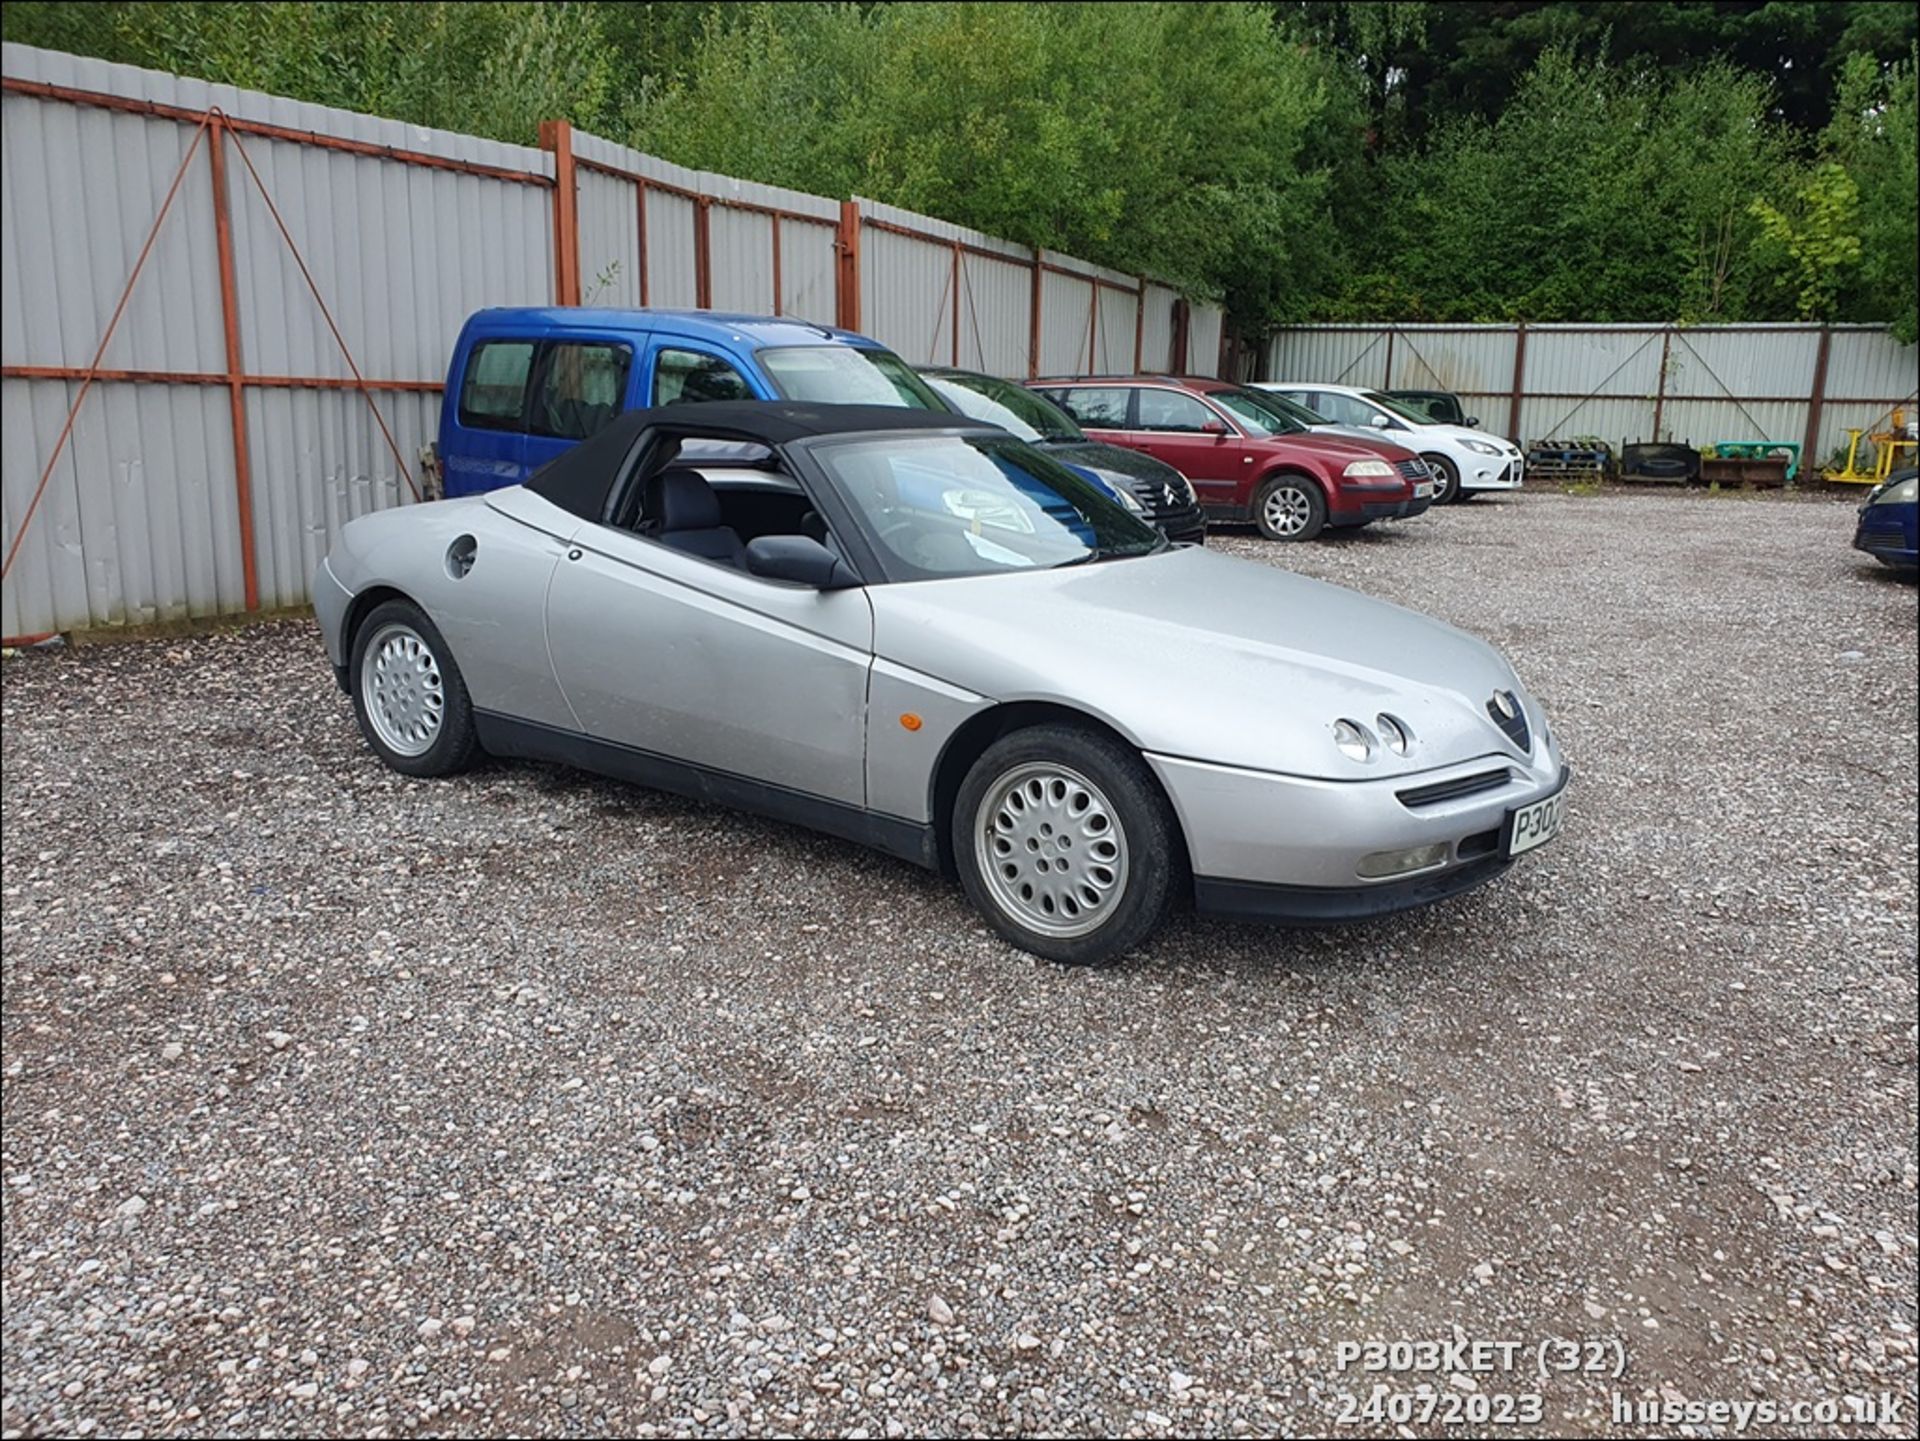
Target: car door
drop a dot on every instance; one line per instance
(579, 384)
(689, 659)
(1182, 430)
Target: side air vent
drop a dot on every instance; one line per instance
(460, 556)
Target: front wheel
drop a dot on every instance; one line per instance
(1065, 843)
(1446, 479)
(408, 694)
(1290, 507)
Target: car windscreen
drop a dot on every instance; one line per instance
(1013, 408)
(846, 375)
(939, 506)
(1293, 410)
(1397, 407)
(1260, 413)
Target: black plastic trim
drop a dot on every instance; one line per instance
(503, 735)
(1336, 906)
(1455, 789)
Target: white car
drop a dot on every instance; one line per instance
(1462, 460)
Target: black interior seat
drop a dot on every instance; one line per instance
(686, 516)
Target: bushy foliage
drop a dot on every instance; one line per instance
(1310, 160)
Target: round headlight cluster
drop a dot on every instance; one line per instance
(1358, 742)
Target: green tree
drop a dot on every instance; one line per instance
(1874, 134)
(1820, 235)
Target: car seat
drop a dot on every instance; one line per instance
(685, 515)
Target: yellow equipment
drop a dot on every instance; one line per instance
(1888, 446)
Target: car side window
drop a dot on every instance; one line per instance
(693, 375)
(581, 388)
(1102, 407)
(493, 393)
(1170, 410)
(1340, 409)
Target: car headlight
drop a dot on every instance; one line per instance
(1355, 740)
(1362, 469)
(1903, 492)
(1480, 447)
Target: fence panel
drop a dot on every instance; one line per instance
(227, 437)
(1629, 382)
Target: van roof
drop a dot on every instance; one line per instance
(694, 324)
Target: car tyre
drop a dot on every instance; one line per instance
(408, 694)
(1446, 479)
(1066, 844)
(1289, 508)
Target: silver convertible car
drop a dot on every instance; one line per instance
(920, 633)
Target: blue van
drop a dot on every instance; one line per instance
(527, 384)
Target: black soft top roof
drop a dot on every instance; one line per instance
(580, 480)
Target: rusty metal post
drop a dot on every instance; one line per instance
(776, 263)
(1515, 395)
(640, 202)
(1177, 350)
(1387, 384)
(1139, 323)
(1033, 323)
(1660, 383)
(703, 253)
(236, 389)
(846, 281)
(1093, 328)
(556, 137)
(957, 277)
(1816, 402)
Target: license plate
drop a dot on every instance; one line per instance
(1535, 825)
(1422, 489)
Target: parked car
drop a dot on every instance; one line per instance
(1889, 527)
(879, 629)
(1442, 406)
(1162, 493)
(1247, 460)
(1463, 460)
(526, 385)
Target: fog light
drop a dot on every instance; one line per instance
(1399, 863)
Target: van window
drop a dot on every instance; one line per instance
(691, 376)
(581, 388)
(494, 391)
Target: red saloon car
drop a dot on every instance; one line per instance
(1246, 457)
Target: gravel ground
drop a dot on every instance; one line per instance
(341, 1103)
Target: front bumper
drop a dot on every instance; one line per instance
(1291, 846)
(1394, 509)
(1887, 539)
(1494, 472)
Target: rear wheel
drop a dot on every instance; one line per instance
(1065, 843)
(408, 694)
(1446, 479)
(1290, 507)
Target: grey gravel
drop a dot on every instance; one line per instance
(341, 1103)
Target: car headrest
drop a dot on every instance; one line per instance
(682, 500)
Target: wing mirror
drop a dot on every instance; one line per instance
(1216, 428)
(1472, 422)
(1379, 421)
(799, 559)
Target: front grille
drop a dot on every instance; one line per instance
(1415, 470)
(1455, 789)
(1513, 727)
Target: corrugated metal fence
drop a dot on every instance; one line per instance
(280, 285)
(1802, 383)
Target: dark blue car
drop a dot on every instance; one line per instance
(1888, 529)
